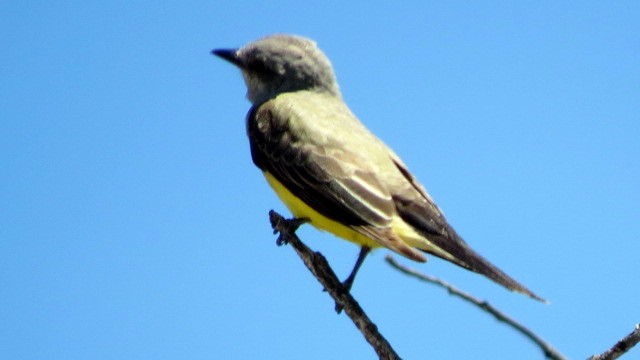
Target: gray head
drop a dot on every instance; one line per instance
(282, 63)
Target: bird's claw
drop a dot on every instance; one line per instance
(286, 227)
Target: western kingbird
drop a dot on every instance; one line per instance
(326, 166)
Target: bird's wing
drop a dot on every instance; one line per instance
(412, 201)
(331, 179)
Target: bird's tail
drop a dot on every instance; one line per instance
(473, 261)
(447, 244)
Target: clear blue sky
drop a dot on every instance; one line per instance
(133, 224)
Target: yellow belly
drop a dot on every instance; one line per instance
(299, 209)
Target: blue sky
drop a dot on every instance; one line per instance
(133, 224)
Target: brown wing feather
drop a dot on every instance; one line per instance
(328, 179)
(324, 182)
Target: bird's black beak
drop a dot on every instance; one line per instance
(231, 55)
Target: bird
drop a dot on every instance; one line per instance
(327, 167)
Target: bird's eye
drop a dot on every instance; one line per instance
(258, 66)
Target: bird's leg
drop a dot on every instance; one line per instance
(348, 283)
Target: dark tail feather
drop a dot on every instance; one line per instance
(474, 262)
(450, 242)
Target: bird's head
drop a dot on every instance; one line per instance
(281, 63)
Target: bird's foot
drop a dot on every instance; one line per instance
(286, 227)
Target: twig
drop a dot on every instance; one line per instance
(621, 346)
(548, 350)
(320, 268)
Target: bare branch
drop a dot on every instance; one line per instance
(547, 349)
(319, 267)
(621, 346)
